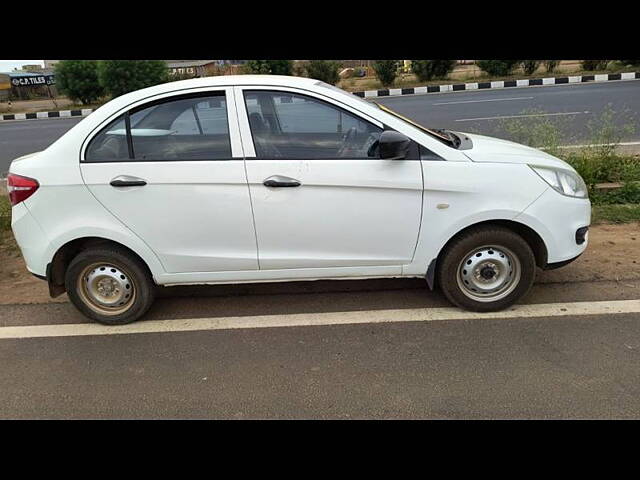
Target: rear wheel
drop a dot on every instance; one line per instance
(109, 285)
(486, 269)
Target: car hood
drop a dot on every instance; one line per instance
(496, 150)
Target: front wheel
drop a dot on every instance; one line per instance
(486, 269)
(109, 285)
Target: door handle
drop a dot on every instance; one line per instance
(281, 181)
(127, 181)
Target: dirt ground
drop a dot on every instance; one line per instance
(613, 255)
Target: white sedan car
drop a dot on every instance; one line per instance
(234, 179)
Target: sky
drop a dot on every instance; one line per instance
(9, 65)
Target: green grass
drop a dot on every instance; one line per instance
(5, 213)
(621, 213)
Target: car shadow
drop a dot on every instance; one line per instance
(281, 298)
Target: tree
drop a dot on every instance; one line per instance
(427, 70)
(78, 80)
(551, 65)
(270, 67)
(497, 67)
(386, 71)
(591, 65)
(123, 76)
(530, 66)
(324, 70)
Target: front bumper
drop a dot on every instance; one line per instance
(560, 221)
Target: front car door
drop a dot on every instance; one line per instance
(349, 209)
(194, 210)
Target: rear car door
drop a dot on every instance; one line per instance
(172, 170)
(321, 195)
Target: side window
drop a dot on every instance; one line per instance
(298, 127)
(187, 128)
(110, 145)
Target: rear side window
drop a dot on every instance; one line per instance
(110, 145)
(182, 129)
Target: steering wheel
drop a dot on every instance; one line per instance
(347, 139)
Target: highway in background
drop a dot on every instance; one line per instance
(477, 111)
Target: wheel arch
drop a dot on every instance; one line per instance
(57, 268)
(533, 239)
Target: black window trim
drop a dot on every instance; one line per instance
(160, 101)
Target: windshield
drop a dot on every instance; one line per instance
(439, 134)
(449, 138)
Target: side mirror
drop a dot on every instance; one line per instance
(393, 145)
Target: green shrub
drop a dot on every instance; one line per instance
(630, 62)
(269, 67)
(427, 70)
(615, 213)
(591, 65)
(530, 66)
(551, 65)
(78, 80)
(324, 70)
(386, 71)
(123, 76)
(497, 67)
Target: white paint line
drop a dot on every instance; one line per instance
(520, 116)
(321, 319)
(480, 101)
(622, 144)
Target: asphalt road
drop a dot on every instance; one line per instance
(577, 366)
(488, 111)
(457, 111)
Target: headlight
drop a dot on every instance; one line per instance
(563, 181)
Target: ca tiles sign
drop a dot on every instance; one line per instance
(35, 80)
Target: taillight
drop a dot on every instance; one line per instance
(20, 188)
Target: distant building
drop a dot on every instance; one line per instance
(48, 64)
(200, 68)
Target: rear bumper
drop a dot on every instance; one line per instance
(30, 238)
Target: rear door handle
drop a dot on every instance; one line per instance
(281, 181)
(127, 181)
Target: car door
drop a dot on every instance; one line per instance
(321, 196)
(172, 170)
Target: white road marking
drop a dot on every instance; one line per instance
(480, 101)
(621, 144)
(521, 116)
(330, 318)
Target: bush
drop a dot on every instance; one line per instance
(386, 71)
(591, 65)
(530, 66)
(123, 76)
(630, 62)
(78, 80)
(551, 65)
(427, 70)
(324, 70)
(269, 67)
(497, 67)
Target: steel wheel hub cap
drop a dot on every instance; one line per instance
(488, 273)
(107, 287)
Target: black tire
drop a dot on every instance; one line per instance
(137, 277)
(450, 263)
